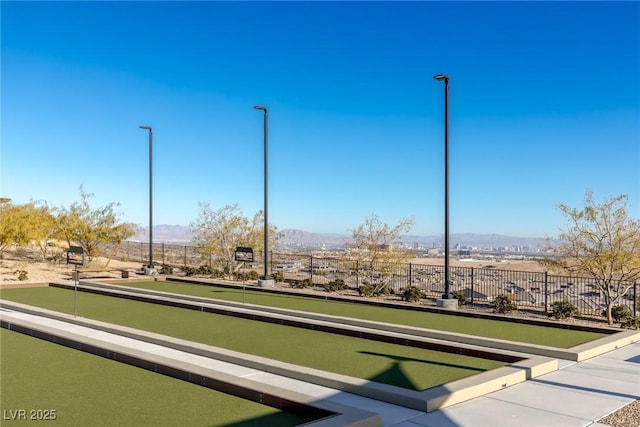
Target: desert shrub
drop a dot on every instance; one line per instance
(278, 276)
(188, 271)
(335, 285)
(365, 290)
(166, 269)
(619, 313)
(22, 275)
(631, 322)
(302, 284)
(563, 309)
(412, 294)
(373, 289)
(462, 298)
(503, 304)
(242, 276)
(204, 270)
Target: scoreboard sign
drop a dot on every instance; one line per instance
(75, 255)
(244, 254)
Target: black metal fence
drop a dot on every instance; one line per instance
(531, 290)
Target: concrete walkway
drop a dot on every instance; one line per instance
(576, 395)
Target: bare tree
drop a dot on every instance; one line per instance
(93, 229)
(601, 241)
(217, 233)
(373, 243)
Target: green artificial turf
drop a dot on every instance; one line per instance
(532, 334)
(81, 389)
(399, 365)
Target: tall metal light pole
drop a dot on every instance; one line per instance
(445, 78)
(266, 280)
(150, 267)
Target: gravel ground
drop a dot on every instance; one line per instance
(627, 416)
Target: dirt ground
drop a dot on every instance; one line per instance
(12, 268)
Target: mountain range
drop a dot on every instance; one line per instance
(292, 237)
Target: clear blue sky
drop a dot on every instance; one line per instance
(544, 105)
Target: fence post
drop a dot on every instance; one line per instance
(472, 285)
(546, 292)
(311, 267)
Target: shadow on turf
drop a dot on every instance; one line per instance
(279, 419)
(397, 377)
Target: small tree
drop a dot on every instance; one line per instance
(10, 219)
(373, 243)
(93, 229)
(504, 304)
(601, 242)
(218, 233)
(22, 225)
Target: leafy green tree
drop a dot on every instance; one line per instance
(217, 234)
(600, 241)
(93, 229)
(38, 224)
(25, 224)
(373, 243)
(8, 223)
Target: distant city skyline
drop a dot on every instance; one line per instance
(292, 238)
(544, 106)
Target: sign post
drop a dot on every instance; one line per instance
(243, 254)
(75, 256)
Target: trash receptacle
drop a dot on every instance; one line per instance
(125, 274)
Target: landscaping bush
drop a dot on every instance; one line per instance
(620, 313)
(412, 294)
(631, 322)
(166, 269)
(365, 290)
(204, 270)
(278, 276)
(503, 304)
(242, 276)
(189, 271)
(335, 285)
(302, 284)
(462, 298)
(563, 309)
(22, 275)
(373, 289)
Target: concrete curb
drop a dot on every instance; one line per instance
(333, 414)
(427, 400)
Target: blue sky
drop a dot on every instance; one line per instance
(544, 105)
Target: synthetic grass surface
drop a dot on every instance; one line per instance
(403, 366)
(88, 390)
(540, 335)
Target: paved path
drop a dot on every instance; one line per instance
(576, 395)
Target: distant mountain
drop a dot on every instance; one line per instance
(304, 238)
(294, 237)
(165, 233)
(291, 236)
